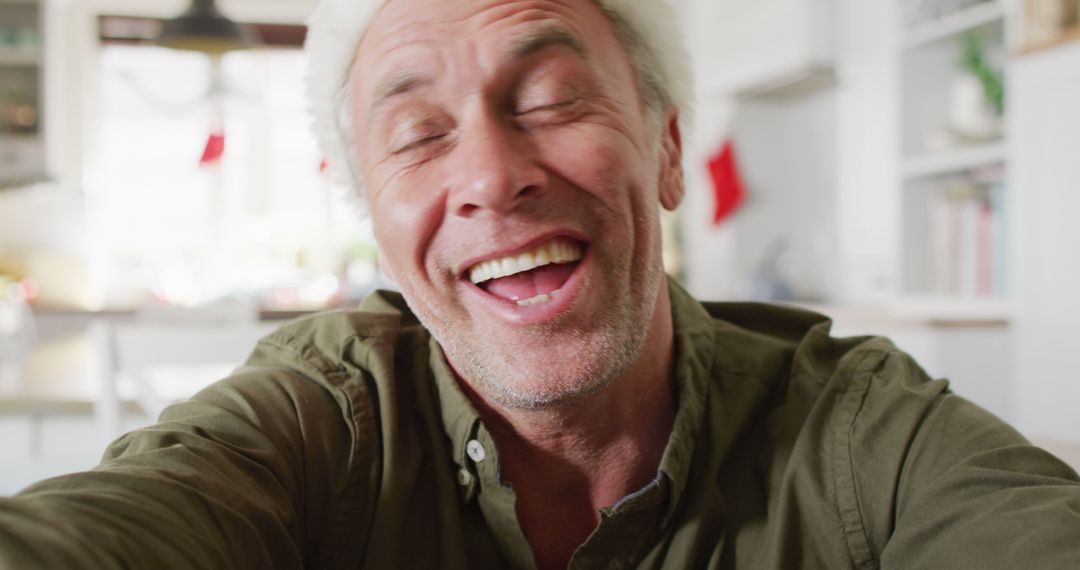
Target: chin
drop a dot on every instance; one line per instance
(541, 392)
(547, 378)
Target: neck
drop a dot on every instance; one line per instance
(568, 462)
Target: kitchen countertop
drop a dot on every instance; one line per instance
(56, 377)
(63, 376)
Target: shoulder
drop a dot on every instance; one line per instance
(832, 424)
(319, 368)
(324, 388)
(338, 342)
(860, 390)
(362, 359)
(786, 347)
(869, 441)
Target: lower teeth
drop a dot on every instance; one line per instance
(542, 298)
(534, 301)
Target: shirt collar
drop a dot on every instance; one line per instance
(694, 357)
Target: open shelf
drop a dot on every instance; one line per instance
(941, 311)
(19, 138)
(18, 58)
(1067, 36)
(954, 268)
(953, 24)
(954, 161)
(954, 310)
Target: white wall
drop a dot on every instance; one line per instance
(787, 153)
(709, 251)
(782, 143)
(832, 152)
(867, 146)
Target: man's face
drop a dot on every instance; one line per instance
(514, 178)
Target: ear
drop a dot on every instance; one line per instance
(672, 184)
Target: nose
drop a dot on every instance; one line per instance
(493, 168)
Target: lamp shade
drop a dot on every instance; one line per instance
(205, 29)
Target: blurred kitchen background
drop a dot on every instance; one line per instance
(909, 167)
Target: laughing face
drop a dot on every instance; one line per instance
(514, 178)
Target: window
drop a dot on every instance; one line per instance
(261, 220)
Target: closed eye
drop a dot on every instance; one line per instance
(416, 144)
(549, 107)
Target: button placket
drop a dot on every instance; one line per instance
(467, 477)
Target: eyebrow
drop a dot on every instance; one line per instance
(397, 85)
(526, 45)
(544, 38)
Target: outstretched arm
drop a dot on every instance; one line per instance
(972, 493)
(241, 476)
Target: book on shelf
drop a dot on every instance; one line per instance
(968, 238)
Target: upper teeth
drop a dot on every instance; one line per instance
(558, 250)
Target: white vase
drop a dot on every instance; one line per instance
(971, 116)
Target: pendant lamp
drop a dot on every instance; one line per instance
(203, 28)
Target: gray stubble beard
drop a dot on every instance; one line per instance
(608, 350)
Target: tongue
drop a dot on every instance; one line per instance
(529, 284)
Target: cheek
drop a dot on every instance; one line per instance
(406, 213)
(601, 161)
(393, 248)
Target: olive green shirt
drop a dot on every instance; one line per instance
(345, 442)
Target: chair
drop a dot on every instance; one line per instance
(18, 332)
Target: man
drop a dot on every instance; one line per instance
(540, 395)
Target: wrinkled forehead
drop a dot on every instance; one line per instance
(458, 12)
(402, 21)
(408, 28)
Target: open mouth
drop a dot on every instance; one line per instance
(532, 277)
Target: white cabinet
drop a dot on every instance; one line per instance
(46, 49)
(1045, 180)
(759, 45)
(22, 158)
(22, 99)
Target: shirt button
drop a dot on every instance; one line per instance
(475, 450)
(464, 477)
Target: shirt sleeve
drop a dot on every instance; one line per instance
(243, 475)
(966, 490)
